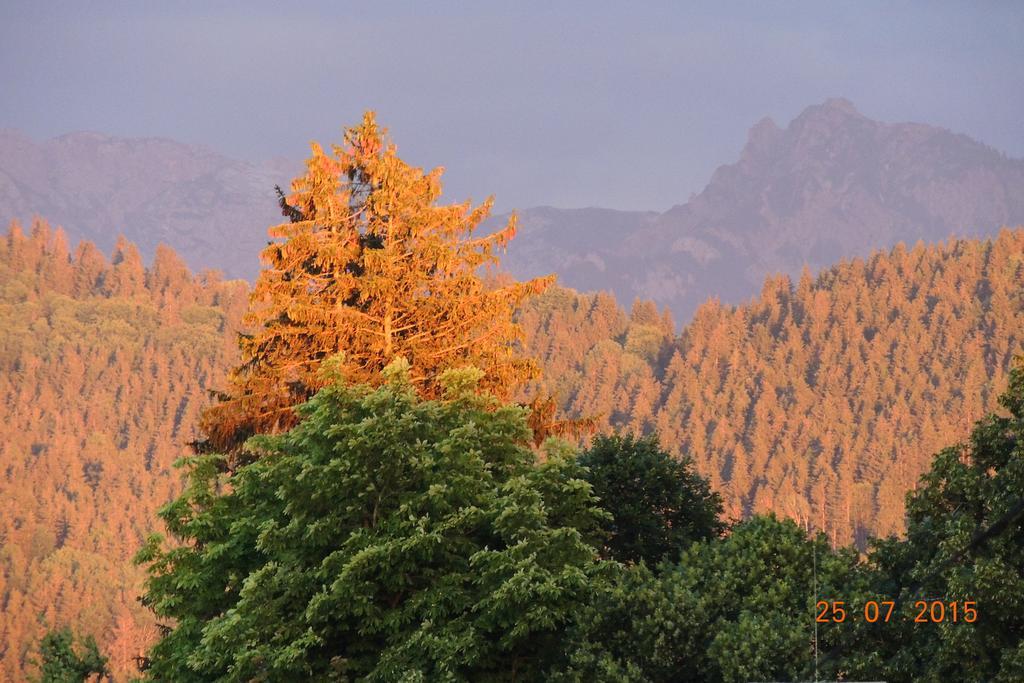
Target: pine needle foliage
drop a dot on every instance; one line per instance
(370, 268)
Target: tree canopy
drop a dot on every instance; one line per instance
(659, 504)
(823, 399)
(735, 608)
(384, 537)
(62, 662)
(102, 384)
(104, 381)
(370, 268)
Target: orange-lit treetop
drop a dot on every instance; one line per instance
(370, 269)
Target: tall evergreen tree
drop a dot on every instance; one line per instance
(371, 268)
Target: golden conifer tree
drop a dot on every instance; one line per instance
(370, 269)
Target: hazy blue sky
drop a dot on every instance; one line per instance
(624, 105)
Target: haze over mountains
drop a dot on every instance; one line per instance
(212, 209)
(833, 184)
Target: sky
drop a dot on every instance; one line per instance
(567, 104)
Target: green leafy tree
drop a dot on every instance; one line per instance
(386, 537)
(659, 504)
(736, 608)
(61, 662)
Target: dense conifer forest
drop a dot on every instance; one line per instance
(821, 400)
(143, 345)
(104, 366)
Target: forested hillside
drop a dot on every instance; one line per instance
(103, 369)
(821, 400)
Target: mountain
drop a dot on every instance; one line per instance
(833, 184)
(211, 209)
(581, 245)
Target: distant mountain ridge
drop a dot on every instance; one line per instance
(832, 184)
(212, 209)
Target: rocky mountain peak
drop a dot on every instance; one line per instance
(832, 184)
(762, 137)
(835, 111)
